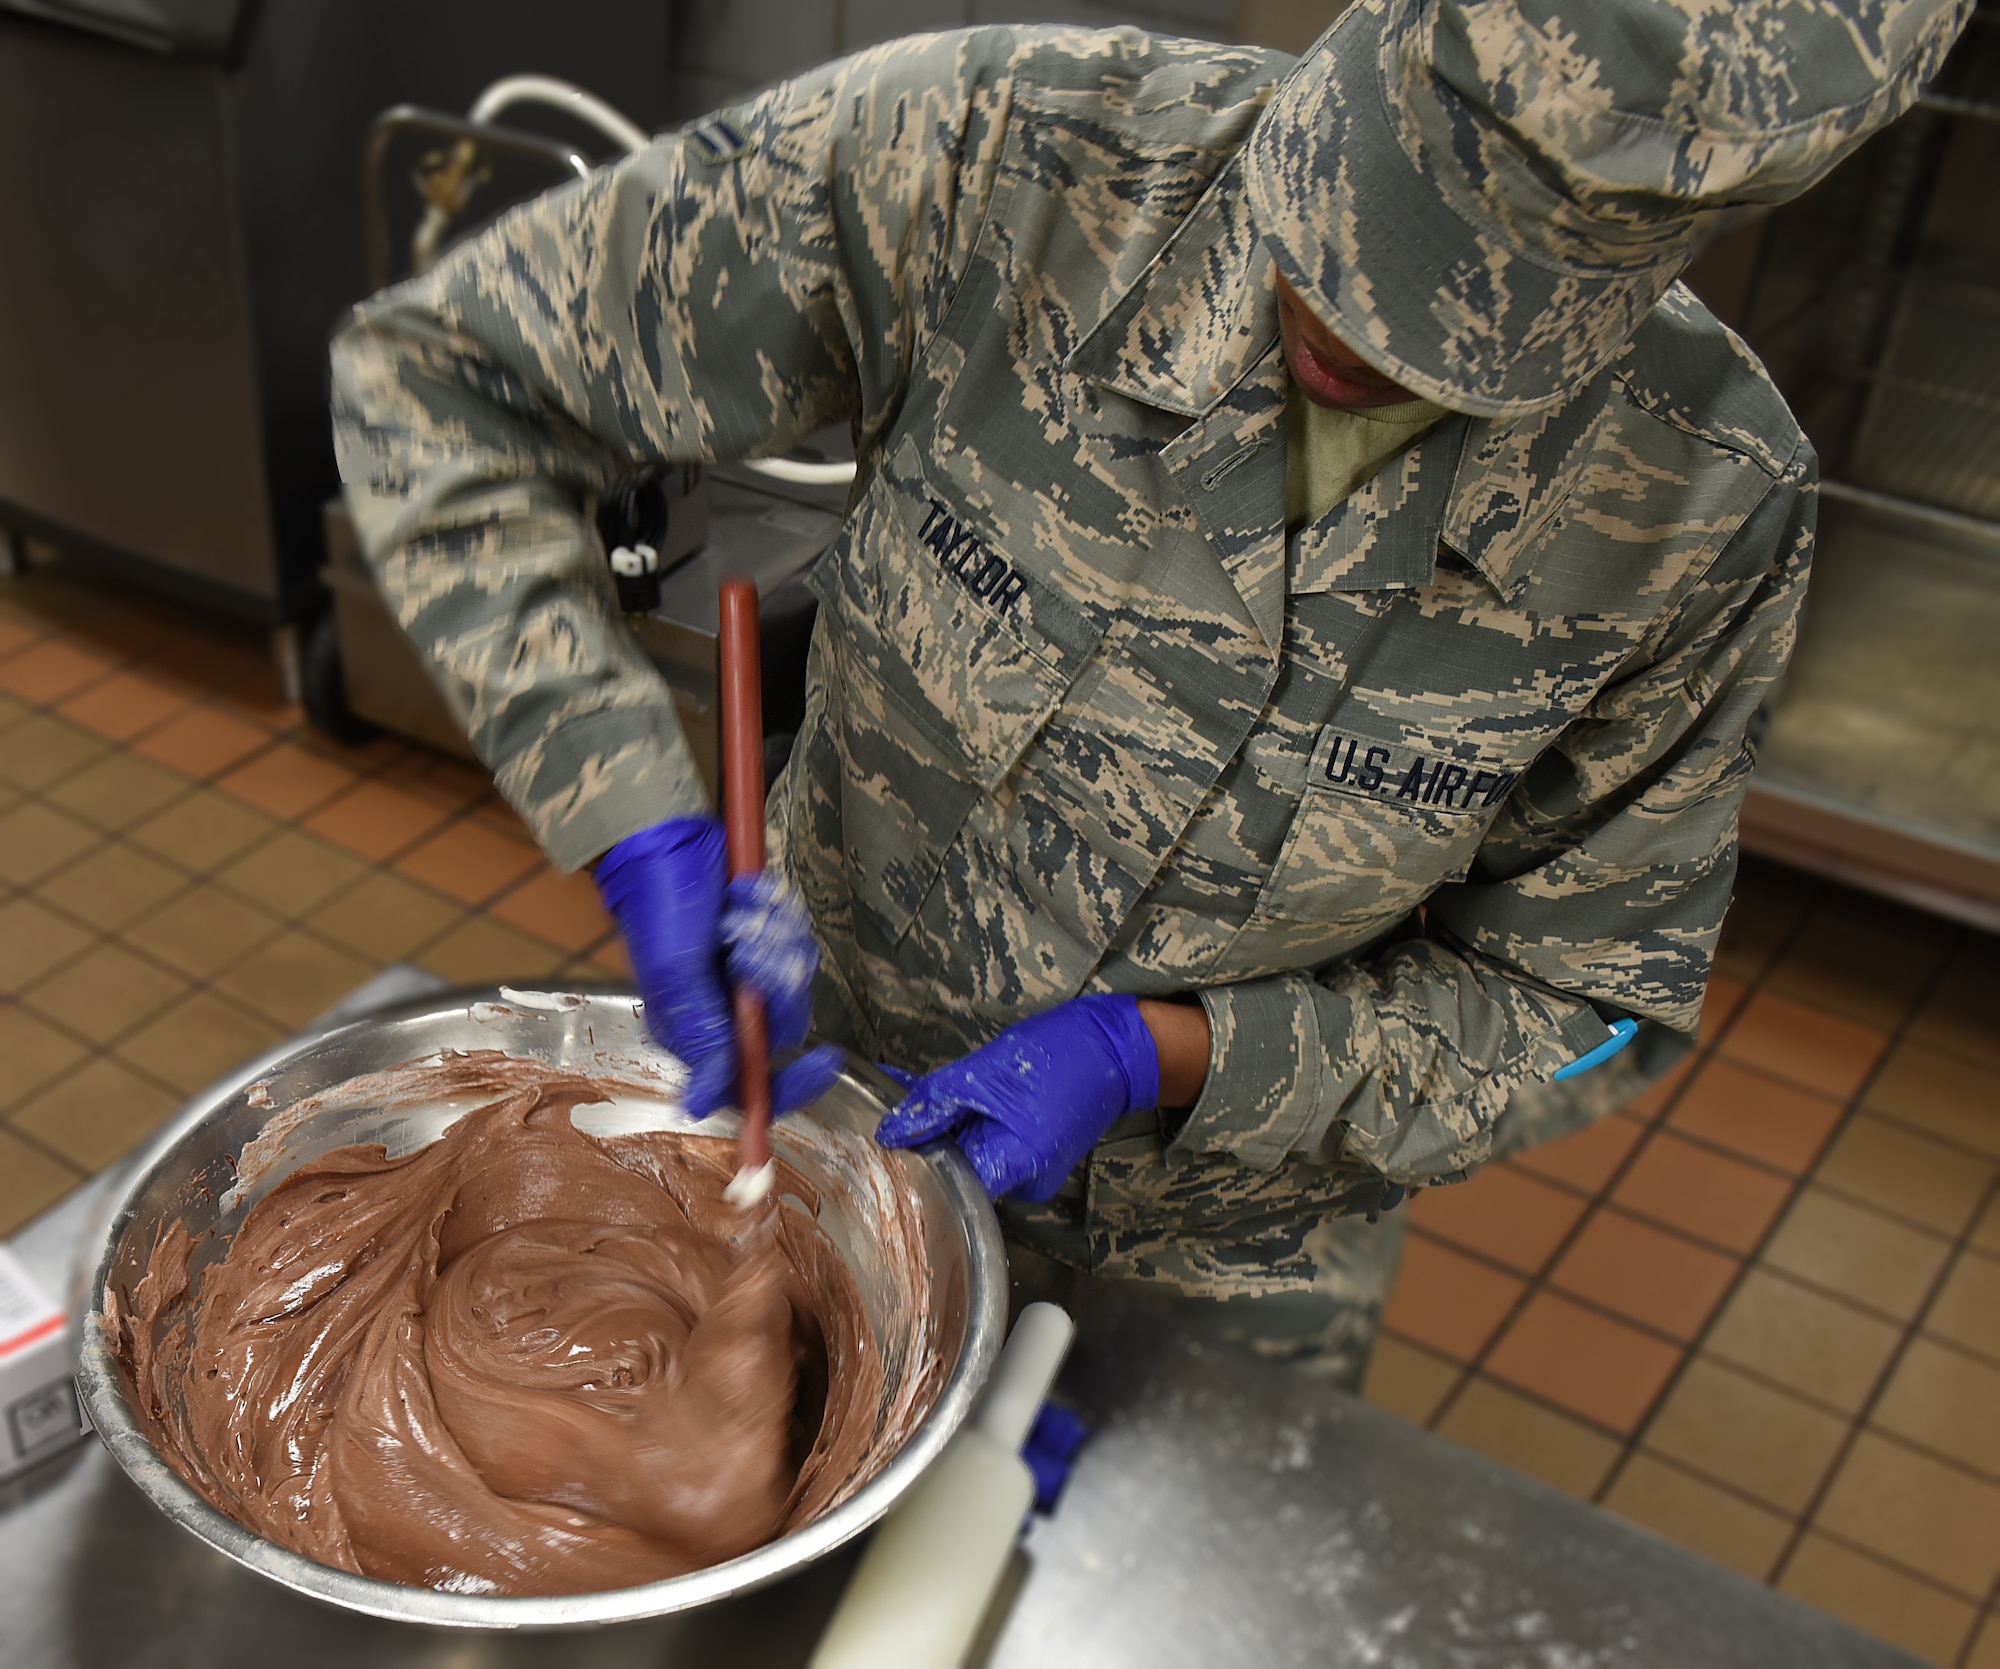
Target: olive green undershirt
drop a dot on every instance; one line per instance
(1329, 453)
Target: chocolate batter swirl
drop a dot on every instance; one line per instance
(523, 1360)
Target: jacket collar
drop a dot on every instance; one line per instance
(1196, 334)
(1515, 475)
(1384, 535)
(1198, 317)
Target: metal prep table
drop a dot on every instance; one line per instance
(1227, 1510)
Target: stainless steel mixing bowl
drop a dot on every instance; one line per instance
(192, 1173)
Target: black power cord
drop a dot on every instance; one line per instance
(632, 521)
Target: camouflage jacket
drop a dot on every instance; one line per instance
(1410, 799)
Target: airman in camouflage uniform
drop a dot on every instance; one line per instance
(1412, 799)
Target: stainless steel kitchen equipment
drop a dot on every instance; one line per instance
(1226, 1510)
(763, 520)
(184, 231)
(727, 524)
(191, 1174)
(1875, 301)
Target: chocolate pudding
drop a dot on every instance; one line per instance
(521, 1360)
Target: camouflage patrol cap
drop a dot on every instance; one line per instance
(1484, 198)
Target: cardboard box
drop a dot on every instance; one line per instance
(39, 1416)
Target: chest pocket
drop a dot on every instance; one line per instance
(1382, 821)
(948, 657)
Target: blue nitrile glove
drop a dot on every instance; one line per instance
(1050, 1451)
(1029, 1105)
(687, 930)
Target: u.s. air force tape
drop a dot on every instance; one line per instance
(1344, 763)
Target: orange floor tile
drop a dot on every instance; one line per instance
(1772, 1328)
(1757, 1311)
(187, 873)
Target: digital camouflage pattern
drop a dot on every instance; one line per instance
(1407, 799)
(1306, 1283)
(1485, 197)
(1323, 1319)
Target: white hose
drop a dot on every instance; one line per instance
(561, 95)
(802, 474)
(621, 131)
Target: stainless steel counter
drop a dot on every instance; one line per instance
(1229, 1511)
(1226, 1511)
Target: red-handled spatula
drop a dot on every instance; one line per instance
(743, 816)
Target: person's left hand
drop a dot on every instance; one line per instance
(1029, 1105)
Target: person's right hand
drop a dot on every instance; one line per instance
(691, 937)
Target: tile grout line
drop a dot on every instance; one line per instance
(1662, 1123)
(482, 908)
(1727, 1486)
(1987, 1621)
(1906, 1127)
(203, 702)
(108, 745)
(116, 662)
(191, 983)
(1917, 1446)
(1533, 1283)
(206, 982)
(1804, 1523)
(93, 1049)
(1890, 1214)
(1474, 1368)
(121, 837)
(296, 824)
(375, 771)
(1777, 1079)
(1806, 1397)
(1852, 1419)
(47, 708)
(1747, 1260)
(1581, 1300)
(1910, 1329)
(1913, 1573)
(1845, 1299)
(1595, 1426)
(30, 1139)
(297, 732)
(462, 816)
(198, 699)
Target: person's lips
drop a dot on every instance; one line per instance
(1339, 385)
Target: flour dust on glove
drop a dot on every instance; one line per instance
(692, 937)
(1028, 1106)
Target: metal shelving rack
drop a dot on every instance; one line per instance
(1876, 304)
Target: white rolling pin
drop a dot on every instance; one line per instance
(921, 1590)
